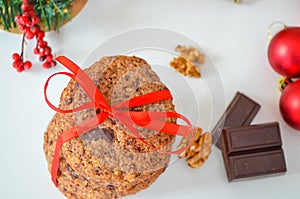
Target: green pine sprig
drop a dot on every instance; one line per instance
(8, 10)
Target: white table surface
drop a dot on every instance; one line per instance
(235, 36)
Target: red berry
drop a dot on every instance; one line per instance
(15, 56)
(31, 12)
(49, 58)
(47, 50)
(35, 20)
(29, 35)
(25, 1)
(24, 19)
(27, 29)
(25, 6)
(17, 18)
(21, 27)
(31, 6)
(53, 63)
(27, 65)
(42, 58)
(20, 69)
(21, 22)
(42, 43)
(42, 51)
(28, 24)
(40, 35)
(36, 51)
(26, 15)
(16, 64)
(46, 65)
(34, 29)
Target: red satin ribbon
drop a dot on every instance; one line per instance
(151, 120)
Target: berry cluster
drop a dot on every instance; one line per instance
(28, 23)
(19, 64)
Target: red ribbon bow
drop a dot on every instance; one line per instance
(150, 120)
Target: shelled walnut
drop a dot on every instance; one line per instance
(188, 62)
(199, 150)
(190, 53)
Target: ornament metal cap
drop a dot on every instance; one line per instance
(283, 82)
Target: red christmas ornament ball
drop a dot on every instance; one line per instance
(290, 104)
(284, 52)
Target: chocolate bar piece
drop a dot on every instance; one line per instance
(240, 112)
(254, 164)
(240, 139)
(253, 151)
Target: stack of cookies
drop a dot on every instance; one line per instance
(108, 161)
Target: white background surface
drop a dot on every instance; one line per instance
(235, 36)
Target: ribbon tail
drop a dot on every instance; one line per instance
(55, 161)
(68, 135)
(73, 133)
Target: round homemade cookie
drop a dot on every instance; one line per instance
(108, 161)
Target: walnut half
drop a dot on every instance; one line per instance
(199, 150)
(188, 62)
